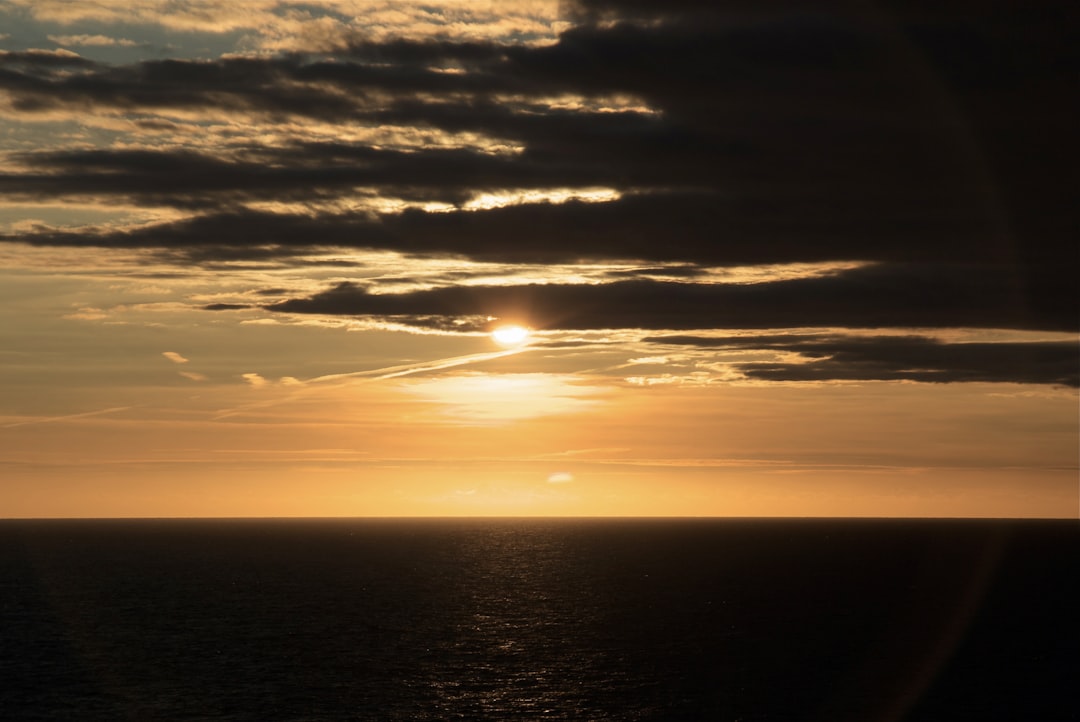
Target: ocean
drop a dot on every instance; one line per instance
(539, 619)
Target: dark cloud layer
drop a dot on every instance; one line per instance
(842, 124)
(933, 143)
(869, 297)
(893, 358)
(304, 172)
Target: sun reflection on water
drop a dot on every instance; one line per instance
(517, 630)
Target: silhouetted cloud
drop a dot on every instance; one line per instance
(226, 306)
(927, 143)
(910, 358)
(886, 296)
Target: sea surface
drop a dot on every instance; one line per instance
(523, 619)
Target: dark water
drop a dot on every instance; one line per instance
(539, 619)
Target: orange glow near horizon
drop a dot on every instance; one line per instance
(493, 490)
(470, 443)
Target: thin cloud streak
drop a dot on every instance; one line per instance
(68, 417)
(370, 375)
(390, 372)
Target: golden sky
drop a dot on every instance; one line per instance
(255, 258)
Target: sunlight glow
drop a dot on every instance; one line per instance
(509, 336)
(480, 398)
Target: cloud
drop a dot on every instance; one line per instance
(306, 172)
(254, 380)
(67, 417)
(807, 133)
(626, 229)
(829, 357)
(924, 146)
(291, 25)
(92, 40)
(883, 296)
(88, 313)
(174, 357)
(302, 387)
(226, 306)
(39, 60)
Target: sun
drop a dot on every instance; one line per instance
(510, 336)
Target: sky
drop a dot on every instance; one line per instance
(261, 258)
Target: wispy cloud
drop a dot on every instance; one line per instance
(390, 372)
(67, 417)
(291, 25)
(92, 40)
(301, 388)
